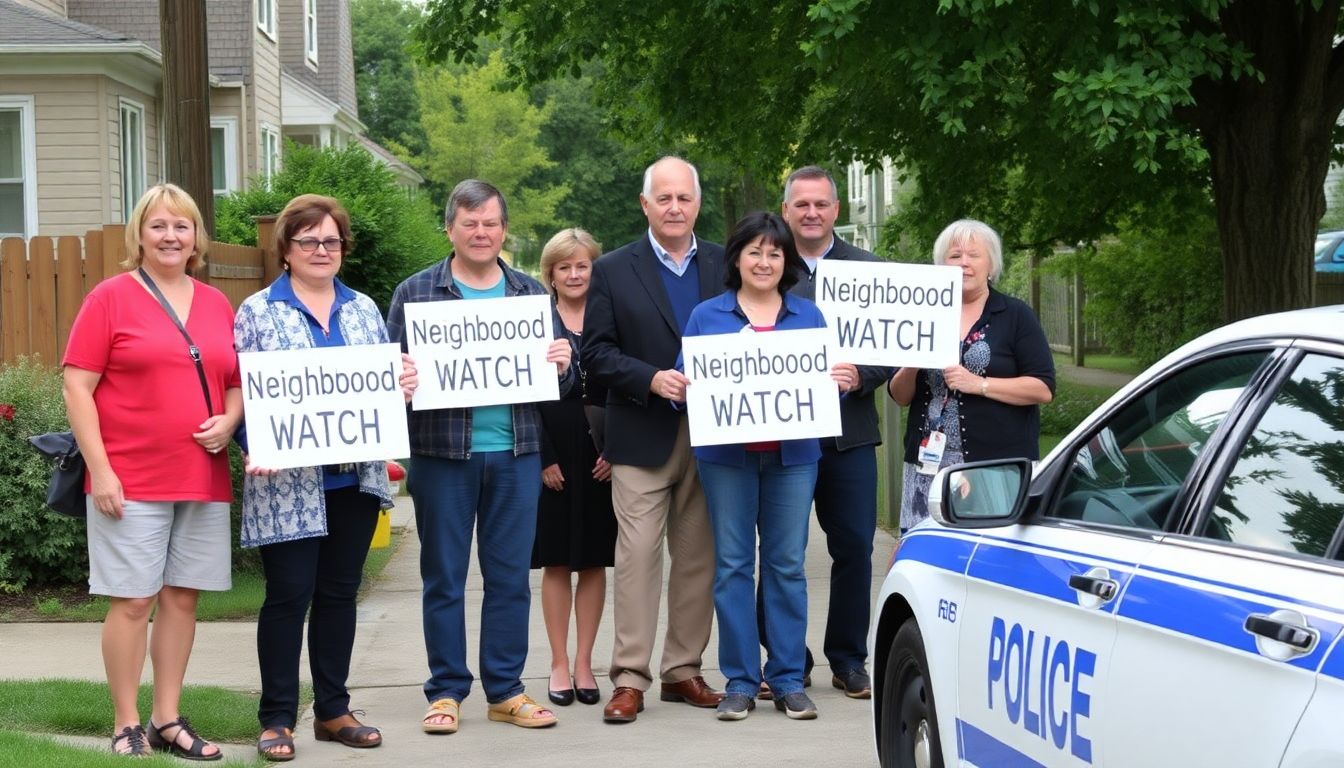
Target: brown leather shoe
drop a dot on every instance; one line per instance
(694, 692)
(625, 705)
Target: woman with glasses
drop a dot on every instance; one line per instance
(313, 525)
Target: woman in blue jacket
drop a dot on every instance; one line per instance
(765, 487)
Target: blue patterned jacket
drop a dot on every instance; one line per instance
(291, 504)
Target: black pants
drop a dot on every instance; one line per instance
(323, 572)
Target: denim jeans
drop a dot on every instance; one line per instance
(496, 493)
(318, 577)
(765, 497)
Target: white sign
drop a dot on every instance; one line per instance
(751, 387)
(329, 405)
(481, 352)
(906, 315)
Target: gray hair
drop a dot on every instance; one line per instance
(470, 195)
(648, 175)
(964, 230)
(810, 173)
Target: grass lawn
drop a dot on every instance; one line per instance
(1117, 363)
(17, 749)
(83, 708)
(240, 603)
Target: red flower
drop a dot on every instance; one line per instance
(6, 412)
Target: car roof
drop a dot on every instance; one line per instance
(1320, 323)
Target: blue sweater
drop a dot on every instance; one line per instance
(721, 314)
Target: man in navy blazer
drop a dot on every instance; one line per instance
(639, 300)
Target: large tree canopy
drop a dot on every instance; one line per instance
(1050, 118)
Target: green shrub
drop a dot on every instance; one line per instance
(37, 546)
(395, 233)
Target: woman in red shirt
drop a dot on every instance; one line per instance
(153, 413)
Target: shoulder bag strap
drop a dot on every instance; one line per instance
(192, 349)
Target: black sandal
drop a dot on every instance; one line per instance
(195, 752)
(285, 739)
(134, 736)
(359, 736)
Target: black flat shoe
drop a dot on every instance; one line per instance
(561, 698)
(588, 695)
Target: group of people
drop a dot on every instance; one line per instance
(604, 476)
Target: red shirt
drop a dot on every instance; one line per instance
(149, 398)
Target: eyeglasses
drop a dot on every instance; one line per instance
(309, 244)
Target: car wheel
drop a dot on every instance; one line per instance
(910, 728)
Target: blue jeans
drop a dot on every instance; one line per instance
(765, 496)
(496, 492)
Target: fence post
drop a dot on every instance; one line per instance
(893, 440)
(114, 249)
(1079, 339)
(70, 289)
(13, 299)
(42, 300)
(270, 265)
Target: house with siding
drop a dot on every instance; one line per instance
(80, 102)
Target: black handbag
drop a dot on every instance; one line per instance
(65, 492)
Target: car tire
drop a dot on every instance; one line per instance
(910, 728)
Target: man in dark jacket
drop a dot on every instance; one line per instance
(846, 494)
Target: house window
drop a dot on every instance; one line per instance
(18, 167)
(270, 152)
(888, 182)
(310, 30)
(266, 17)
(132, 156)
(223, 156)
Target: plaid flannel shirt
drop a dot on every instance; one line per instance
(446, 432)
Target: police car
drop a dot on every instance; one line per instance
(1165, 588)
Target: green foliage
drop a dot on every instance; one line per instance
(478, 126)
(37, 546)
(385, 73)
(1175, 248)
(1072, 403)
(603, 173)
(395, 234)
(1050, 120)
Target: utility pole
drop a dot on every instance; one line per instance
(186, 102)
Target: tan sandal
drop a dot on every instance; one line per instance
(522, 711)
(441, 708)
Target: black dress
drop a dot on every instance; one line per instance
(576, 527)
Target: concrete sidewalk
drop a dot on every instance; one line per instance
(389, 668)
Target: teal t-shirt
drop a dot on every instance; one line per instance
(491, 425)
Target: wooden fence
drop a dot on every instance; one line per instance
(43, 283)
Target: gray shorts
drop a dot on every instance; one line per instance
(159, 543)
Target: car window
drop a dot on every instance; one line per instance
(1286, 491)
(1131, 469)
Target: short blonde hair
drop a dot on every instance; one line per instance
(563, 245)
(965, 230)
(177, 201)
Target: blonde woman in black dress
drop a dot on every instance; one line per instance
(576, 529)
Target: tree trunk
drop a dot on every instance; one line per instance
(1269, 147)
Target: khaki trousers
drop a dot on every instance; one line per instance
(653, 503)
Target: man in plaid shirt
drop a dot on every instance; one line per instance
(476, 467)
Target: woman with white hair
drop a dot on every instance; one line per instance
(988, 406)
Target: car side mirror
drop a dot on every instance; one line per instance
(981, 494)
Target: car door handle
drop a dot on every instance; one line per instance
(1288, 633)
(1093, 585)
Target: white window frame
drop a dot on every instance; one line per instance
(134, 175)
(266, 17)
(268, 159)
(28, 149)
(888, 182)
(230, 127)
(310, 31)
